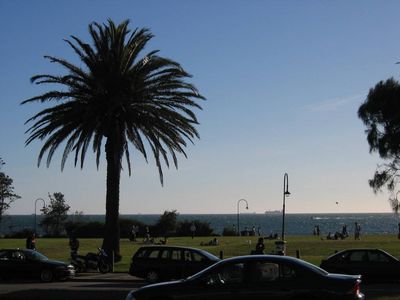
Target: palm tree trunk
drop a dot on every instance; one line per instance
(112, 231)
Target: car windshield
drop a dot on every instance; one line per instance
(33, 255)
(312, 267)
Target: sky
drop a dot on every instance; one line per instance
(283, 82)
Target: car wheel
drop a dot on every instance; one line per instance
(104, 268)
(46, 275)
(152, 276)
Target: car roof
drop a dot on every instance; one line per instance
(277, 258)
(359, 249)
(170, 247)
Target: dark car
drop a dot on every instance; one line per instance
(24, 263)
(372, 264)
(256, 277)
(155, 263)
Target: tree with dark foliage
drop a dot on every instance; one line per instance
(55, 215)
(117, 98)
(7, 195)
(381, 115)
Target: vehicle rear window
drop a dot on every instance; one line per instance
(140, 253)
(375, 256)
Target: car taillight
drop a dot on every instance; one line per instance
(356, 289)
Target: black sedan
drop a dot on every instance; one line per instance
(372, 264)
(269, 277)
(24, 263)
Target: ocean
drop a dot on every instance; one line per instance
(295, 224)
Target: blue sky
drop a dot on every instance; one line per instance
(283, 82)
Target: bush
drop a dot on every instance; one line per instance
(202, 228)
(86, 229)
(23, 234)
(228, 232)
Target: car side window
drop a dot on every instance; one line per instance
(17, 256)
(154, 253)
(287, 272)
(232, 273)
(375, 256)
(165, 254)
(187, 254)
(176, 254)
(261, 272)
(358, 256)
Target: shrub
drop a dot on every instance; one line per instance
(202, 228)
(228, 232)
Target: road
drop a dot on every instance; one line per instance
(86, 286)
(115, 286)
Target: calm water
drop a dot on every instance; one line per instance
(296, 224)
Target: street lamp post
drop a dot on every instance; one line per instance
(247, 207)
(44, 204)
(285, 194)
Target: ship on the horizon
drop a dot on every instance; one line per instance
(272, 212)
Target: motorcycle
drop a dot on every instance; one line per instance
(91, 261)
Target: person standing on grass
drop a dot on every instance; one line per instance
(29, 242)
(398, 235)
(357, 231)
(74, 246)
(260, 247)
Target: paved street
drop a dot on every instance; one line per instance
(115, 286)
(88, 286)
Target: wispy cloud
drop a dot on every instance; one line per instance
(334, 104)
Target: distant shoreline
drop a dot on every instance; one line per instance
(241, 213)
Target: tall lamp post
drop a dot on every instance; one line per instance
(247, 207)
(285, 194)
(44, 204)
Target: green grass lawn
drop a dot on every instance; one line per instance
(312, 248)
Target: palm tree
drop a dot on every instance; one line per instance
(120, 98)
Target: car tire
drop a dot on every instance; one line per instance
(46, 275)
(104, 268)
(152, 276)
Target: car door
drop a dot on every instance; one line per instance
(5, 263)
(264, 280)
(382, 266)
(242, 281)
(172, 263)
(17, 265)
(194, 262)
(357, 262)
